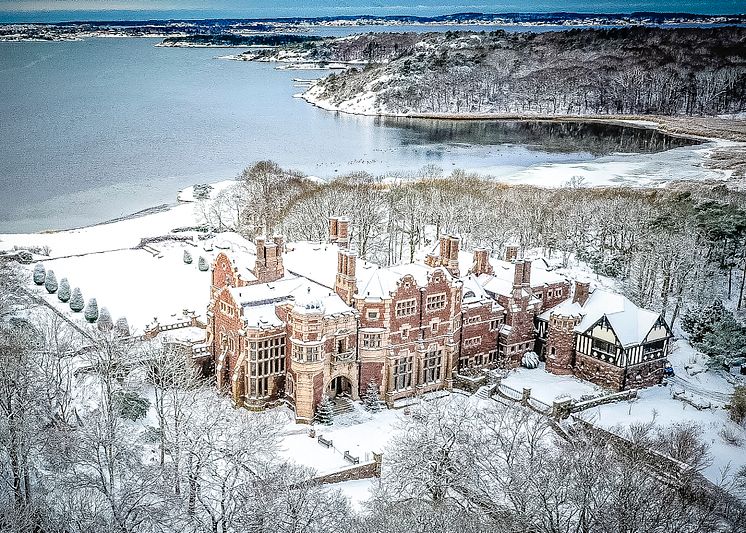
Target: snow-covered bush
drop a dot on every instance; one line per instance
(50, 282)
(738, 405)
(131, 405)
(202, 191)
(699, 321)
(530, 360)
(91, 311)
(104, 320)
(202, 264)
(187, 257)
(122, 327)
(39, 274)
(372, 400)
(325, 412)
(76, 300)
(63, 294)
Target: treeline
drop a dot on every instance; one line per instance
(239, 40)
(635, 71)
(671, 248)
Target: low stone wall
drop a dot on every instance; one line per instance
(364, 471)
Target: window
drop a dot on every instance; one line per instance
(406, 307)
(405, 332)
(603, 349)
(431, 366)
(549, 294)
(372, 340)
(653, 350)
(434, 326)
(306, 353)
(267, 359)
(492, 356)
(494, 324)
(341, 345)
(558, 292)
(403, 371)
(471, 320)
(436, 302)
(372, 314)
(540, 295)
(472, 342)
(226, 308)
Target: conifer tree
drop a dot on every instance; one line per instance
(104, 320)
(325, 412)
(187, 257)
(122, 327)
(202, 264)
(50, 282)
(76, 300)
(63, 294)
(91, 311)
(372, 400)
(39, 274)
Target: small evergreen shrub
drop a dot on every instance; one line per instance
(372, 400)
(738, 405)
(104, 322)
(187, 257)
(325, 412)
(50, 283)
(91, 311)
(202, 264)
(39, 274)
(131, 405)
(63, 294)
(76, 300)
(122, 327)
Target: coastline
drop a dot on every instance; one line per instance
(700, 128)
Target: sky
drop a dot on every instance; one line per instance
(55, 10)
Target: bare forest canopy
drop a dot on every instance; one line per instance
(671, 249)
(629, 71)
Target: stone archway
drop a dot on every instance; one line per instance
(340, 386)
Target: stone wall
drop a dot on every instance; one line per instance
(365, 471)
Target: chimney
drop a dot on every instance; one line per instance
(268, 265)
(333, 231)
(345, 284)
(481, 263)
(343, 235)
(511, 253)
(582, 291)
(261, 257)
(279, 241)
(518, 274)
(445, 249)
(452, 264)
(526, 273)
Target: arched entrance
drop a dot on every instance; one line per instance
(339, 386)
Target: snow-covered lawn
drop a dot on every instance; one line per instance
(137, 284)
(360, 433)
(357, 491)
(547, 387)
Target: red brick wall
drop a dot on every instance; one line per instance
(370, 372)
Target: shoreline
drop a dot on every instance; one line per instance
(701, 128)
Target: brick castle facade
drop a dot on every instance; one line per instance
(295, 322)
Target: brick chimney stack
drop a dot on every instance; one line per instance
(451, 261)
(333, 231)
(343, 232)
(481, 262)
(526, 278)
(582, 291)
(511, 252)
(345, 284)
(445, 248)
(268, 266)
(518, 275)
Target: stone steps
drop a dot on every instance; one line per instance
(483, 393)
(342, 405)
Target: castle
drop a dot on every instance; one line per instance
(299, 321)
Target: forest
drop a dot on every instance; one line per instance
(672, 249)
(628, 71)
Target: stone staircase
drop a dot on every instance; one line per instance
(483, 392)
(342, 405)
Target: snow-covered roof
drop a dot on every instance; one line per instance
(630, 323)
(258, 302)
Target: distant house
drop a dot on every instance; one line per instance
(294, 322)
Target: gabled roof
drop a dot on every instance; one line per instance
(630, 323)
